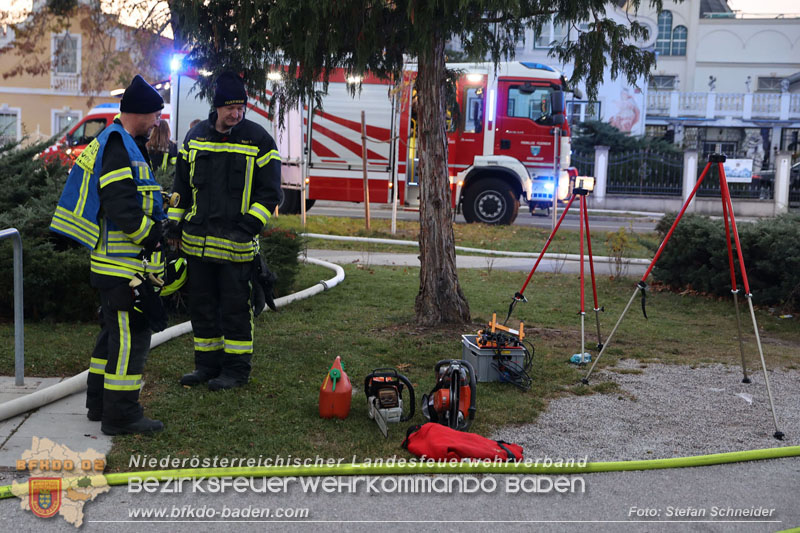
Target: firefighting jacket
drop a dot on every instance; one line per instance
(102, 212)
(229, 185)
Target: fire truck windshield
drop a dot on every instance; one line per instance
(530, 101)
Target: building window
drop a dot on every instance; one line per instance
(550, 35)
(662, 83)
(769, 84)
(664, 38)
(66, 62)
(9, 125)
(582, 110)
(679, 41)
(65, 54)
(670, 42)
(64, 119)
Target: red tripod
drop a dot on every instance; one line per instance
(579, 191)
(730, 224)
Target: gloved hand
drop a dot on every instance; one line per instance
(147, 302)
(152, 242)
(263, 286)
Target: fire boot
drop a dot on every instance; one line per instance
(235, 372)
(142, 426)
(207, 366)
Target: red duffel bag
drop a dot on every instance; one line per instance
(436, 441)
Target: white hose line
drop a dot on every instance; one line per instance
(78, 383)
(555, 257)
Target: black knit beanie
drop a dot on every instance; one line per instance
(230, 90)
(141, 98)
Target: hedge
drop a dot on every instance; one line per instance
(696, 257)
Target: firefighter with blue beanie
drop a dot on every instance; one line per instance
(112, 205)
(228, 178)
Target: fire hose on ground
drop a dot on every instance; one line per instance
(78, 383)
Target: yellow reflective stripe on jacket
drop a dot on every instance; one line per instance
(269, 156)
(248, 184)
(238, 346)
(208, 345)
(175, 214)
(115, 175)
(83, 194)
(184, 153)
(122, 382)
(260, 212)
(144, 228)
(223, 147)
(218, 248)
(124, 267)
(75, 226)
(97, 365)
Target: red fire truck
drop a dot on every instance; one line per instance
(504, 137)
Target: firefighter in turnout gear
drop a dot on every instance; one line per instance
(228, 176)
(112, 205)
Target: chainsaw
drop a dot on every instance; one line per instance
(452, 400)
(384, 390)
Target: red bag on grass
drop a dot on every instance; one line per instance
(436, 441)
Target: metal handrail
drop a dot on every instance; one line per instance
(19, 335)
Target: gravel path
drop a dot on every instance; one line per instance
(665, 411)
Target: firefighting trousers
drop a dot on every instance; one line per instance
(118, 358)
(219, 306)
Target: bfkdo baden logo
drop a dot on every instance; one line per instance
(44, 496)
(61, 481)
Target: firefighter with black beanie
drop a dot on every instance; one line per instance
(112, 205)
(228, 176)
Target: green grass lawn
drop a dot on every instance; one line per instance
(505, 238)
(368, 320)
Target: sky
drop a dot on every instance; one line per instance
(765, 6)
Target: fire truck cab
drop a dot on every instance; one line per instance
(70, 146)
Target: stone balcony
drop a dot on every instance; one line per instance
(66, 83)
(722, 106)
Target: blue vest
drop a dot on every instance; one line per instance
(77, 212)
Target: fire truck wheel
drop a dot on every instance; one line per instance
(291, 202)
(491, 201)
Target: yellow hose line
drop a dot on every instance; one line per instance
(419, 466)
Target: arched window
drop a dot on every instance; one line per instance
(664, 33)
(679, 41)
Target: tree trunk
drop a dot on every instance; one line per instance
(440, 298)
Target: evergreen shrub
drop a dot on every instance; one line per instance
(696, 257)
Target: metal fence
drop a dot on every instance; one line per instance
(644, 172)
(761, 187)
(794, 189)
(584, 162)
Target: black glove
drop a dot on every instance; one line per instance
(263, 286)
(173, 229)
(152, 242)
(147, 302)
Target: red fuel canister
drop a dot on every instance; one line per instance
(336, 393)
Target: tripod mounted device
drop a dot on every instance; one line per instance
(581, 188)
(730, 227)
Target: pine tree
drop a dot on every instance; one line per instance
(311, 37)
